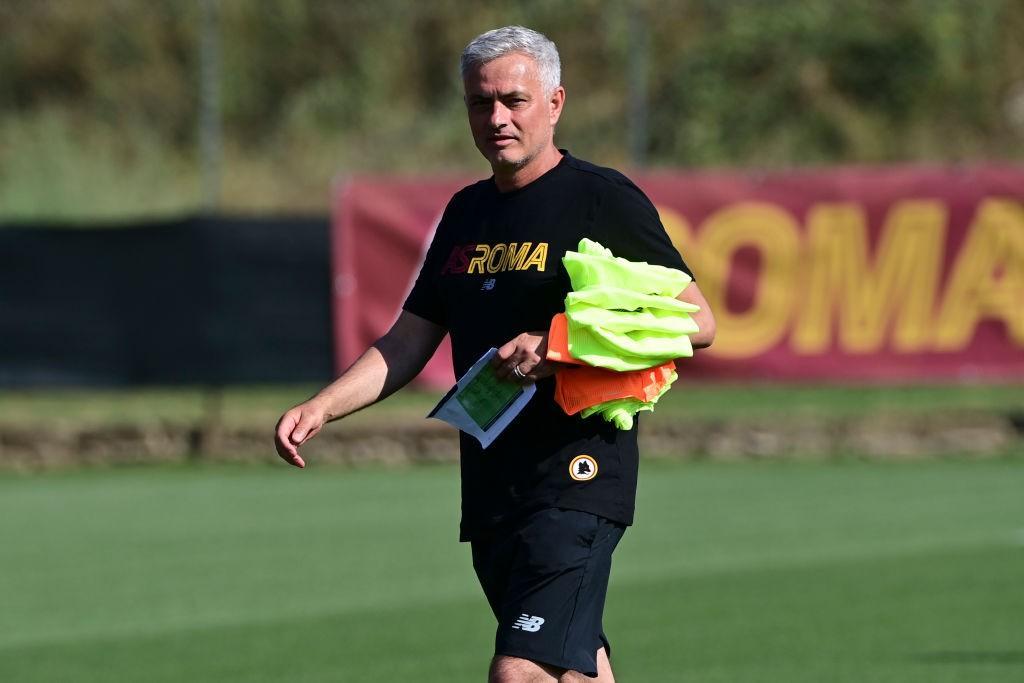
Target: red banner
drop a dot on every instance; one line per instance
(885, 274)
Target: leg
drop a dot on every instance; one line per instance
(604, 668)
(547, 587)
(506, 669)
(516, 670)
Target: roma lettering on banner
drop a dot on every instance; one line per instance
(834, 289)
(894, 292)
(774, 234)
(880, 274)
(988, 277)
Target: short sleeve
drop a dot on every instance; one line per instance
(425, 298)
(628, 223)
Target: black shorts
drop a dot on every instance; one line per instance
(545, 577)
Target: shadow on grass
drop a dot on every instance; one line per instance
(1006, 657)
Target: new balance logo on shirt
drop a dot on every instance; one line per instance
(527, 623)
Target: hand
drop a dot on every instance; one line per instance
(296, 427)
(528, 352)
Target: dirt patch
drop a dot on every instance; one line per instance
(873, 436)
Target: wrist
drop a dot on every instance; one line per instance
(321, 405)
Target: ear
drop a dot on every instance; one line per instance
(556, 101)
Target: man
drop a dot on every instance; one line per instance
(545, 505)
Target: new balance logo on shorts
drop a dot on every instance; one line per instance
(527, 623)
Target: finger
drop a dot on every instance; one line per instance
(307, 425)
(293, 458)
(504, 367)
(285, 450)
(290, 454)
(282, 438)
(521, 373)
(505, 351)
(313, 431)
(283, 441)
(298, 434)
(510, 371)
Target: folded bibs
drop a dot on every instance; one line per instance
(587, 390)
(602, 346)
(624, 315)
(623, 320)
(593, 265)
(558, 341)
(582, 387)
(621, 411)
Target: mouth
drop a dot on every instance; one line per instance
(500, 140)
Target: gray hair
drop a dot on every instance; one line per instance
(489, 46)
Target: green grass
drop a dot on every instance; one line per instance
(789, 572)
(239, 406)
(261, 405)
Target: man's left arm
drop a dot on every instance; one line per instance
(705, 317)
(624, 204)
(528, 351)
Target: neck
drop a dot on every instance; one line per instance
(514, 179)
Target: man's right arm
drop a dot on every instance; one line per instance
(391, 363)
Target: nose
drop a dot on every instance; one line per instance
(499, 116)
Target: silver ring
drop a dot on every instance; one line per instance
(518, 373)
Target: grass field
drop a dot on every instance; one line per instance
(248, 405)
(788, 572)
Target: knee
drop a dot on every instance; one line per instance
(573, 677)
(516, 670)
(505, 670)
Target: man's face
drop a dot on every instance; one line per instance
(511, 116)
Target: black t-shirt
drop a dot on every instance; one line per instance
(493, 271)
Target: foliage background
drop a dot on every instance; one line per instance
(99, 101)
